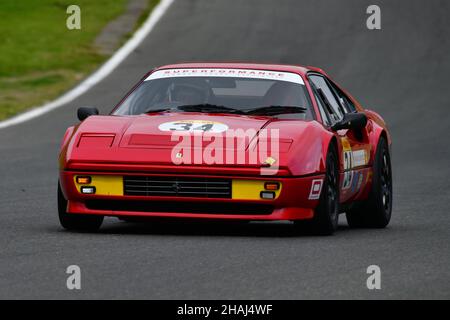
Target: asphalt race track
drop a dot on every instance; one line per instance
(400, 71)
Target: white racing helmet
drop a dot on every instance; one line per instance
(189, 91)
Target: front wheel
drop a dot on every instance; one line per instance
(76, 222)
(376, 211)
(326, 215)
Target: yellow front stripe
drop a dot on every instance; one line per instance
(104, 185)
(249, 189)
(113, 186)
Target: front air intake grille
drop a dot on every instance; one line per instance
(176, 187)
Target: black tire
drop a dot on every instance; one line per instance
(76, 222)
(326, 215)
(376, 211)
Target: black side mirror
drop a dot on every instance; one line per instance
(85, 112)
(355, 121)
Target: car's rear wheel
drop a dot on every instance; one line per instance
(326, 215)
(376, 211)
(76, 222)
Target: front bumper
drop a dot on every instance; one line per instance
(292, 202)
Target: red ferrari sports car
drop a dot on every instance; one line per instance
(229, 141)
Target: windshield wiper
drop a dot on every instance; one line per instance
(208, 108)
(275, 110)
(159, 110)
(212, 108)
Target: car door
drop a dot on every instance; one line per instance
(354, 146)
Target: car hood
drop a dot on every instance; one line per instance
(164, 131)
(154, 139)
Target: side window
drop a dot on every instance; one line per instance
(323, 113)
(333, 106)
(344, 100)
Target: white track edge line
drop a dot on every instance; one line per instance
(98, 75)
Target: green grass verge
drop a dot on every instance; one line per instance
(39, 57)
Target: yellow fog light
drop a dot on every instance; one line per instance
(267, 195)
(88, 190)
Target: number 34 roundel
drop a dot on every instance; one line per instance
(193, 125)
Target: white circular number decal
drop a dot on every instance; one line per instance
(193, 125)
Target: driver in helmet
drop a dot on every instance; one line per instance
(189, 91)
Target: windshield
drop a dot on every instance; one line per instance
(209, 92)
